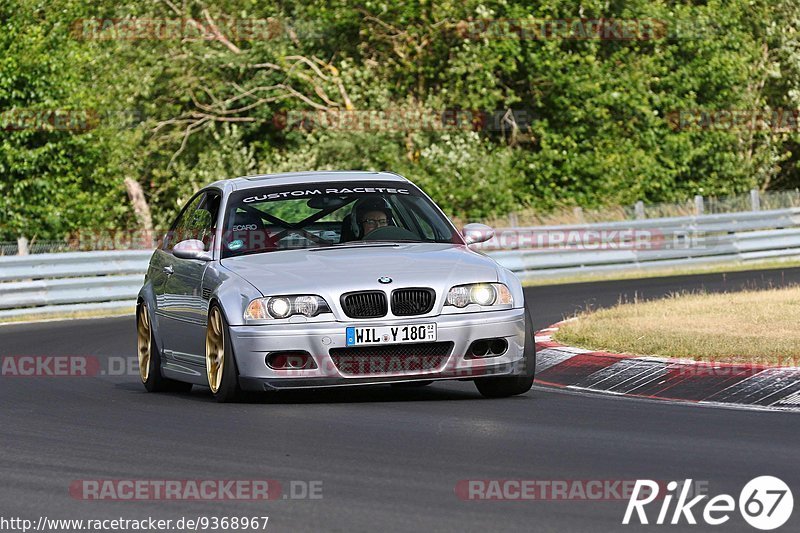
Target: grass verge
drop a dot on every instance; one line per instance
(75, 315)
(663, 272)
(759, 327)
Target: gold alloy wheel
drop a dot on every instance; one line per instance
(215, 349)
(144, 342)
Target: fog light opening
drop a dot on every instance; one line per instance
(487, 348)
(290, 361)
(479, 348)
(498, 346)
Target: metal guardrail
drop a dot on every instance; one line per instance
(49, 284)
(554, 251)
(46, 284)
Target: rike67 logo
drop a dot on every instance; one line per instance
(765, 503)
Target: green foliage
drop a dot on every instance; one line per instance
(53, 182)
(599, 131)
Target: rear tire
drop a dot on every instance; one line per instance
(221, 371)
(503, 387)
(150, 357)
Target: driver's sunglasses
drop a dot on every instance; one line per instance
(376, 221)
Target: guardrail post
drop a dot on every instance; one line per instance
(699, 208)
(577, 212)
(639, 210)
(755, 200)
(512, 220)
(22, 246)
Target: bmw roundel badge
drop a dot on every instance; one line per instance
(384, 279)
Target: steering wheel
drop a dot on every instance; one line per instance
(391, 233)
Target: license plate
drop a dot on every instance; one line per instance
(359, 336)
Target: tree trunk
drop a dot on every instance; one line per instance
(22, 246)
(142, 211)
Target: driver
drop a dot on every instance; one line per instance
(373, 220)
(370, 214)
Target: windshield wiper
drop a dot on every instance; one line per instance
(353, 244)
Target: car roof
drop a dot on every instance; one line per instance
(316, 176)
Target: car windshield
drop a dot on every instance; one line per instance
(323, 215)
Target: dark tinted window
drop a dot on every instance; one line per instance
(196, 221)
(315, 215)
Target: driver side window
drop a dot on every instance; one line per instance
(203, 223)
(197, 221)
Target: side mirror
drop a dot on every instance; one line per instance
(475, 233)
(191, 249)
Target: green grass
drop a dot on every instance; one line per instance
(664, 272)
(75, 315)
(753, 326)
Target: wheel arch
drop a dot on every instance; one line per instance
(146, 297)
(215, 300)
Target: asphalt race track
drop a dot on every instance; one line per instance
(388, 459)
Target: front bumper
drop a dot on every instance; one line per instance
(251, 345)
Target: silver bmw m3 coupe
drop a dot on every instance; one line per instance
(327, 279)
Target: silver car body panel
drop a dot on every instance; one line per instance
(252, 343)
(178, 293)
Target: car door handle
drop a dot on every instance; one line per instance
(168, 270)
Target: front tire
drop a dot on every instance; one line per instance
(150, 357)
(221, 371)
(503, 387)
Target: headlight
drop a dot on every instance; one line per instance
(286, 306)
(279, 307)
(484, 294)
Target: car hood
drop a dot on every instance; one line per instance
(336, 270)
